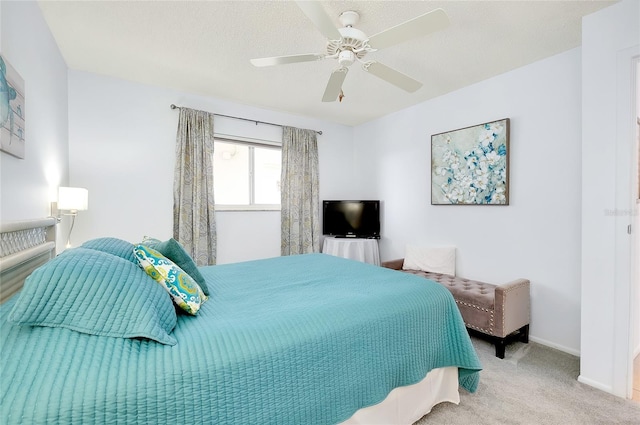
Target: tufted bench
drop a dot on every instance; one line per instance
(500, 312)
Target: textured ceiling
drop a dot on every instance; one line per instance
(204, 47)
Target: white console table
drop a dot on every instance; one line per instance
(365, 250)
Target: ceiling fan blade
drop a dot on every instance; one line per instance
(281, 60)
(334, 86)
(319, 17)
(392, 76)
(417, 27)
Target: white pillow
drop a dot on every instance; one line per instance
(434, 259)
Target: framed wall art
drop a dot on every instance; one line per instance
(470, 166)
(12, 110)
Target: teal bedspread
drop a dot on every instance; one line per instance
(305, 339)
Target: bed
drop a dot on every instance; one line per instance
(310, 339)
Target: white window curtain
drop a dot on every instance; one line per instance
(300, 205)
(194, 224)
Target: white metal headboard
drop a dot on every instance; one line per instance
(24, 246)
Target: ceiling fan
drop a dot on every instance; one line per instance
(348, 45)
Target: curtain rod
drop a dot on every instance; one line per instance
(245, 119)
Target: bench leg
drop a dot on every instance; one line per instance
(500, 344)
(521, 335)
(524, 334)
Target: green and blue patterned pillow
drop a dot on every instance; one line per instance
(174, 251)
(185, 292)
(96, 293)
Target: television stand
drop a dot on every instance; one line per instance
(359, 249)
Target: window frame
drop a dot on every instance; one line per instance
(252, 144)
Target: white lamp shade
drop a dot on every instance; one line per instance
(73, 198)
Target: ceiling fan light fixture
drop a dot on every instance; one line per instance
(346, 58)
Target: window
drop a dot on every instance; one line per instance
(246, 176)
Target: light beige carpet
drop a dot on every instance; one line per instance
(534, 384)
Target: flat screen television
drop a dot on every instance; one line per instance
(351, 219)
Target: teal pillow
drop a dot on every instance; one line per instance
(185, 292)
(96, 293)
(174, 251)
(113, 246)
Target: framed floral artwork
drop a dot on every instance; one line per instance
(470, 166)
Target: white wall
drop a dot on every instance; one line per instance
(122, 149)
(538, 235)
(29, 184)
(610, 40)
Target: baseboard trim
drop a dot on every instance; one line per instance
(595, 384)
(554, 345)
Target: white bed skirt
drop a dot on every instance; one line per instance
(405, 405)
